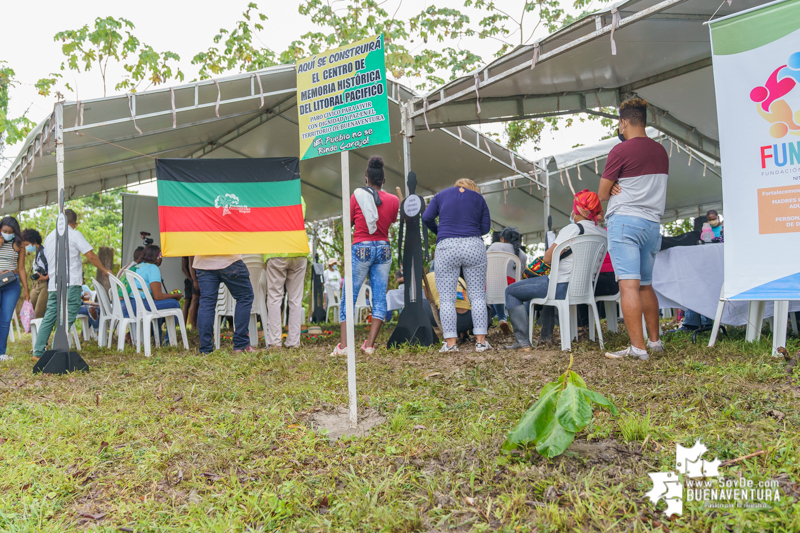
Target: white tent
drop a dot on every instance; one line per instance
(114, 141)
(694, 186)
(663, 54)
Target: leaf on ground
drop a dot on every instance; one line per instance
(194, 498)
(470, 501)
(97, 399)
(599, 399)
(3, 441)
(212, 477)
(431, 374)
(554, 440)
(323, 503)
(103, 446)
(574, 412)
(420, 426)
(159, 389)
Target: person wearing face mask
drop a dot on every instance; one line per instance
(715, 223)
(39, 271)
(634, 183)
(12, 268)
(77, 245)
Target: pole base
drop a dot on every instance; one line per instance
(60, 362)
(413, 328)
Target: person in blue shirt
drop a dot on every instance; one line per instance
(463, 220)
(715, 222)
(148, 270)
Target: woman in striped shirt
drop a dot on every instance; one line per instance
(12, 265)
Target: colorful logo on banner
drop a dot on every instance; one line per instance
(342, 100)
(770, 99)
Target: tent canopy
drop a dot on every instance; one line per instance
(663, 54)
(694, 185)
(115, 141)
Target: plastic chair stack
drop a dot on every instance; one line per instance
(104, 320)
(119, 321)
(332, 302)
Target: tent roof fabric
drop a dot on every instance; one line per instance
(694, 186)
(663, 54)
(247, 115)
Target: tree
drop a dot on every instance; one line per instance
(86, 48)
(12, 130)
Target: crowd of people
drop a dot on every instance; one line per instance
(633, 183)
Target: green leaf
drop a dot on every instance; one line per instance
(574, 412)
(554, 440)
(535, 419)
(599, 399)
(576, 380)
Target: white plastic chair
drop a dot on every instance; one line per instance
(73, 341)
(151, 316)
(611, 302)
(361, 303)
(226, 306)
(104, 317)
(332, 301)
(118, 318)
(258, 279)
(588, 252)
(496, 275)
(14, 325)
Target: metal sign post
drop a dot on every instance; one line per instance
(348, 284)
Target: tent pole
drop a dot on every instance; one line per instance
(546, 203)
(59, 112)
(348, 284)
(408, 134)
(311, 294)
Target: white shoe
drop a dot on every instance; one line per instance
(482, 346)
(655, 347)
(5, 357)
(339, 350)
(630, 351)
(446, 349)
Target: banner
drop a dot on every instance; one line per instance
(341, 99)
(756, 59)
(230, 206)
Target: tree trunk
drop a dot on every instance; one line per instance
(106, 256)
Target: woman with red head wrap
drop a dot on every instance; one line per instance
(586, 213)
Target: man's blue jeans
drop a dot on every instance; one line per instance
(236, 278)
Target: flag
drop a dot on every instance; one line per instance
(230, 206)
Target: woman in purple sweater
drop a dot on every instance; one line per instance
(463, 219)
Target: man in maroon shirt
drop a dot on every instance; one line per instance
(634, 183)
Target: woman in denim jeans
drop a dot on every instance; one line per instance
(372, 211)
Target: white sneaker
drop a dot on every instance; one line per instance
(339, 350)
(482, 346)
(630, 351)
(655, 347)
(5, 357)
(446, 349)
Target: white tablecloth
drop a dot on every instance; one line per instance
(690, 277)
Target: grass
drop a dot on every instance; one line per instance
(180, 442)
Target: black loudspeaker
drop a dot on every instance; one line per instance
(413, 325)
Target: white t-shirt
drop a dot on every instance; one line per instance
(214, 262)
(589, 228)
(77, 245)
(332, 279)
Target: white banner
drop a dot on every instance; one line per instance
(756, 57)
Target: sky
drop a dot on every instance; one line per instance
(186, 28)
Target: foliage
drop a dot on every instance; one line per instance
(86, 48)
(564, 407)
(12, 130)
(679, 227)
(239, 52)
(99, 219)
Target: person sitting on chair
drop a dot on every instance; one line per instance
(150, 273)
(89, 308)
(586, 213)
(715, 222)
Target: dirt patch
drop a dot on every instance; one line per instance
(337, 423)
